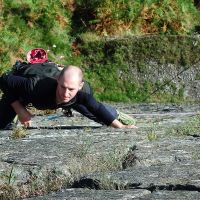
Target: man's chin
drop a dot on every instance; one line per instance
(66, 100)
(62, 100)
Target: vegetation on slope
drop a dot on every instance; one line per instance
(30, 23)
(119, 17)
(123, 69)
(72, 29)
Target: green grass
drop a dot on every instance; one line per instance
(28, 24)
(152, 136)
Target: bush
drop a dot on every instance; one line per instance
(117, 17)
(30, 23)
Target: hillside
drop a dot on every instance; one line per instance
(72, 31)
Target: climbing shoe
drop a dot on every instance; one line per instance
(125, 119)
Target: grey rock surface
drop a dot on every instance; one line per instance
(161, 156)
(176, 176)
(172, 78)
(178, 195)
(80, 194)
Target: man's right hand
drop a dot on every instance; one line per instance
(117, 124)
(25, 118)
(23, 114)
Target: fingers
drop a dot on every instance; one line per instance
(26, 124)
(130, 126)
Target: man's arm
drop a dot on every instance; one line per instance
(23, 114)
(15, 86)
(100, 112)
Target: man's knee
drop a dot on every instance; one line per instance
(7, 114)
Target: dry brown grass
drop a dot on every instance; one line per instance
(7, 192)
(18, 132)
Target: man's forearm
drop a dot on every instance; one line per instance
(18, 107)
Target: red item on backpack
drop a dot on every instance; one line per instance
(37, 55)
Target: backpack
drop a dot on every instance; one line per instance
(42, 70)
(46, 69)
(38, 65)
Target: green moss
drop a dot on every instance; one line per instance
(112, 64)
(191, 127)
(181, 93)
(197, 76)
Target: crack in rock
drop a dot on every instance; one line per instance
(170, 187)
(99, 185)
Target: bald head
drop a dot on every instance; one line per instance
(72, 72)
(69, 82)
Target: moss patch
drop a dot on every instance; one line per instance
(119, 68)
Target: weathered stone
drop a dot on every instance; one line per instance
(177, 195)
(168, 150)
(175, 176)
(80, 194)
(74, 152)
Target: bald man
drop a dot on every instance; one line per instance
(49, 93)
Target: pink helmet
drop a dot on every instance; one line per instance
(37, 55)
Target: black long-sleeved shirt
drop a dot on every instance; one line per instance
(42, 94)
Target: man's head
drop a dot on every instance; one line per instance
(70, 82)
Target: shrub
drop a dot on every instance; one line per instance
(30, 23)
(111, 17)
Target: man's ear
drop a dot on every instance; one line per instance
(81, 85)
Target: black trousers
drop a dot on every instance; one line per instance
(7, 114)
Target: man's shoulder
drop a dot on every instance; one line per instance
(84, 98)
(81, 94)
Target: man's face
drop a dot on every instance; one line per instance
(67, 89)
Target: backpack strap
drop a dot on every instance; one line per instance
(19, 67)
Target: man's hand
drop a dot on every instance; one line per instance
(117, 124)
(25, 118)
(128, 126)
(23, 114)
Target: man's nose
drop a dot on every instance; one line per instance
(67, 92)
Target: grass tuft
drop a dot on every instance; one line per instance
(18, 132)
